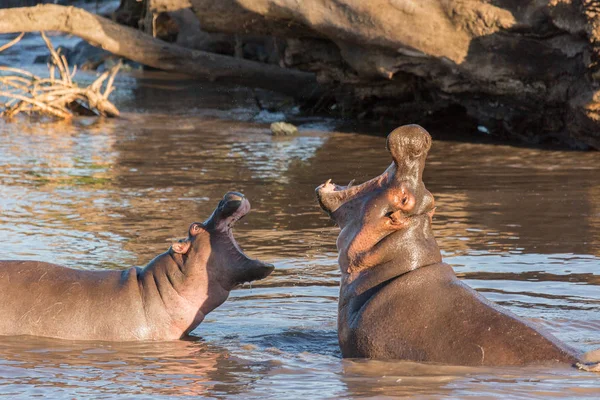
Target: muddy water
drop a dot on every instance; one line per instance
(520, 225)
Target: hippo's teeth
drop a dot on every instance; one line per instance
(351, 183)
(328, 182)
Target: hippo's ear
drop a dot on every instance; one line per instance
(182, 246)
(196, 228)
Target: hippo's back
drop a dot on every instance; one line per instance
(37, 275)
(430, 315)
(44, 299)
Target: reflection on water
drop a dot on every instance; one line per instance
(59, 368)
(520, 225)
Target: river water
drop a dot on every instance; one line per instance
(520, 225)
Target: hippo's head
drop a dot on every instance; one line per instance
(210, 246)
(387, 218)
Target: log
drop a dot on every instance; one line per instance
(137, 46)
(528, 68)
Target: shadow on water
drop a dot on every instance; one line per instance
(310, 341)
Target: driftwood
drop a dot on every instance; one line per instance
(522, 67)
(143, 48)
(59, 97)
(530, 68)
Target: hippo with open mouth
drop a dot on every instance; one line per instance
(398, 300)
(163, 301)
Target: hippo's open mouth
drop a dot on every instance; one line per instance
(401, 182)
(331, 195)
(242, 210)
(329, 186)
(231, 209)
(227, 226)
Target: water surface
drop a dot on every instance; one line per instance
(520, 225)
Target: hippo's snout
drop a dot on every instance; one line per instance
(233, 197)
(232, 203)
(408, 143)
(230, 209)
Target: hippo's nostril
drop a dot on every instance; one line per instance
(233, 196)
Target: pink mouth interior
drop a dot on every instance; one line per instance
(242, 210)
(331, 187)
(240, 213)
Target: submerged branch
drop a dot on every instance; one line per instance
(12, 42)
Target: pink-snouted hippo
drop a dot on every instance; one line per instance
(398, 300)
(163, 301)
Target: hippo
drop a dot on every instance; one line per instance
(398, 299)
(165, 300)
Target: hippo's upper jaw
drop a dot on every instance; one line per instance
(395, 201)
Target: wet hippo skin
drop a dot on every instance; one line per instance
(398, 300)
(165, 300)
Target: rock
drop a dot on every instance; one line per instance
(88, 57)
(46, 58)
(283, 129)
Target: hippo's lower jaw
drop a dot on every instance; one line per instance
(329, 187)
(331, 195)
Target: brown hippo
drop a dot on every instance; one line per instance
(398, 300)
(163, 301)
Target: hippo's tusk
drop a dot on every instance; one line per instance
(351, 183)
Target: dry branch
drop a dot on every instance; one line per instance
(57, 97)
(145, 49)
(12, 42)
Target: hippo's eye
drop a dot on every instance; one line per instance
(404, 200)
(389, 214)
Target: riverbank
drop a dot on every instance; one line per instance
(522, 97)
